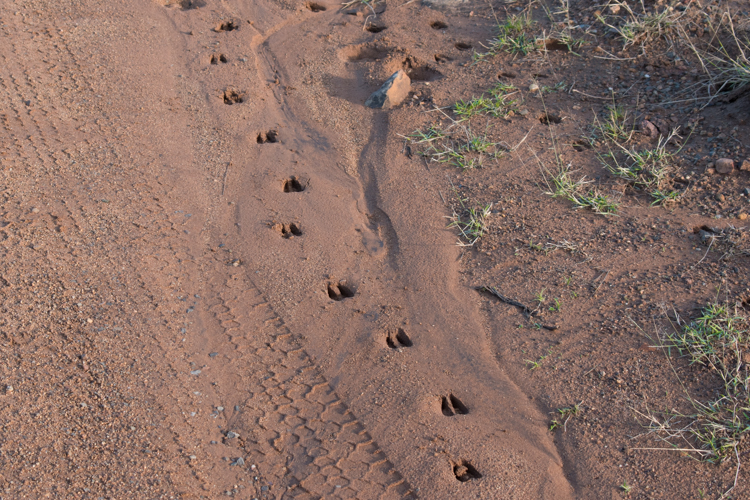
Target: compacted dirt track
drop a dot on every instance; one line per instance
(220, 276)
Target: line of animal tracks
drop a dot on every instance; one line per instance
(221, 276)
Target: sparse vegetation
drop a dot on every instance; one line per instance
(471, 223)
(718, 340)
(563, 416)
(577, 192)
(513, 38)
(499, 104)
(462, 149)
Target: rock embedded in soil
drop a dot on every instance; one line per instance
(724, 166)
(391, 93)
(649, 129)
(745, 167)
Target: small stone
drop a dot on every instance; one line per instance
(391, 93)
(649, 129)
(213, 354)
(742, 216)
(238, 461)
(706, 238)
(534, 87)
(192, 457)
(219, 408)
(747, 191)
(724, 166)
(8, 389)
(614, 9)
(745, 166)
(232, 435)
(195, 372)
(710, 171)
(720, 197)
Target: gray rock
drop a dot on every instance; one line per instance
(238, 461)
(391, 93)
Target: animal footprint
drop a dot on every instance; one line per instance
(184, 4)
(438, 25)
(397, 339)
(271, 136)
(218, 58)
(227, 26)
(288, 230)
(233, 96)
(549, 119)
(315, 7)
(294, 185)
(375, 28)
(452, 405)
(464, 471)
(340, 291)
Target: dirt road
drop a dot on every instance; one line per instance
(220, 275)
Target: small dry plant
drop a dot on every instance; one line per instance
(719, 341)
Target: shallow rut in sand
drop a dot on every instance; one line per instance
(276, 310)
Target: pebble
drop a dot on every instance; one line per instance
(720, 197)
(747, 191)
(725, 166)
(232, 435)
(192, 457)
(238, 461)
(534, 87)
(195, 372)
(742, 216)
(213, 354)
(745, 166)
(219, 408)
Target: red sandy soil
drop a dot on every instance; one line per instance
(210, 250)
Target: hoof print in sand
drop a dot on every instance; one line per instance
(233, 96)
(315, 7)
(438, 25)
(271, 136)
(452, 406)
(464, 471)
(288, 230)
(294, 184)
(463, 46)
(218, 58)
(340, 291)
(419, 71)
(375, 27)
(397, 339)
(184, 4)
(227, 26)
(550, 119)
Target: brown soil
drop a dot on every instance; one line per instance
(221, 274)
